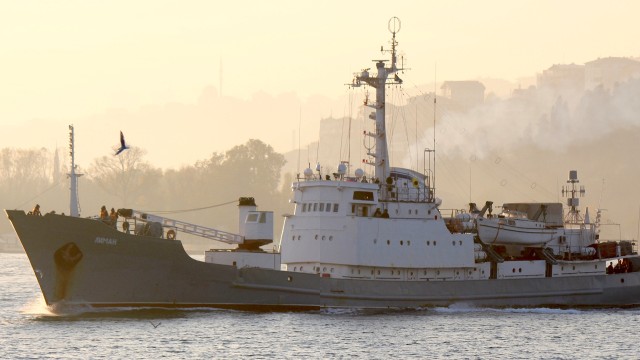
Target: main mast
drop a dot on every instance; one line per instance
(573, 195)
(379, 82)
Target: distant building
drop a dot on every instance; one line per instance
(464, 94)
(563, 78)
(610, 71)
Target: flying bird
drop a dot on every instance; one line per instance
(154, 325)
(123, 145)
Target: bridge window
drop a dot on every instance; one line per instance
(335, 207)
(321, 206)
(363, 195)
(315, 206)
(328, 207)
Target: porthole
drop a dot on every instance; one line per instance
(596, 266)
(574, 267)
(293, 237)
(324, 269)
(408, 242)
(299, 237)
(454, 243)
(622, 280)
(375, 241)
(323, 237)
(428, 242)
(460, 242)
(388, 242)
(289, 278)
(513, 270)
(401, 242)
(330, 237)
(434, 243)
(316, 237)
(519, 270)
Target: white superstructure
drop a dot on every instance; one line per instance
(336, 232)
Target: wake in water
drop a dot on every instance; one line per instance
(37, 307)
(467, 308)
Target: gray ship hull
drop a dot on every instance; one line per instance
(85, 262)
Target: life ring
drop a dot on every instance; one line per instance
(171, 235)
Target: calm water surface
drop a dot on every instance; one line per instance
(29, 330)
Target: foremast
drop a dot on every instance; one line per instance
(379, 82)
(74, 207)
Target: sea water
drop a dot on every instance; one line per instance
(29, 330)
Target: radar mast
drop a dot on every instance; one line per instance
(379, 82)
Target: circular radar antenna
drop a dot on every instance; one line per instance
(394, 25)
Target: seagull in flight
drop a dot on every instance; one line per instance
(123, 145)
(154, 325)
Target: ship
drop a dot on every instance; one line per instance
(352, 241)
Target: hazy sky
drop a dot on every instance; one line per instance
(70, 61)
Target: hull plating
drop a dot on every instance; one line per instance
(85, 262)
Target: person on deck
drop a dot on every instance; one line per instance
(36, 210)
(104, 215)
(385, 214)
(610, 268)
(113, 216)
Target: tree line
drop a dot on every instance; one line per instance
(203, 193)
